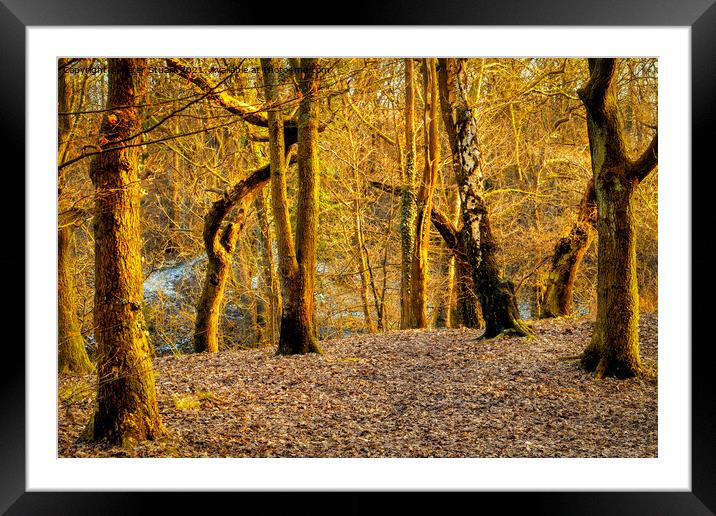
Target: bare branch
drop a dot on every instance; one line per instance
(204, 84)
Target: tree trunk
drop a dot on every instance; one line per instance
(126, 397)
(219, 250)
(71, 352)
(72, 355)
(446, 316)
(468, 312)
(567, 257)
(419, 261)
(363, 266)
(219, 246)
(297, 264)
(407, 198)
(442, 311)
(614, 348)
(271, 313)
(496, 294)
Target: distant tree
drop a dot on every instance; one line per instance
(407, 196)
(126, 409)
(297, 258)
(268, 312)
(496, 294)
(426, 188)
(614, 348)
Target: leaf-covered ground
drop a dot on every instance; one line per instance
(437, 393)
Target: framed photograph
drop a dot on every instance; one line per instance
(677, 477)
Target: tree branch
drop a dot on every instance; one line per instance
(231, 196)
(380, 133)
(643, 166)
(205, 85)
(73, 216)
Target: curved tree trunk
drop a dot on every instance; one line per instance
(497, 297)
(126, 397)
(567, 257)
(614, 348)
(219, 251)
(219, 245)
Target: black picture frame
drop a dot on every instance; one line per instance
(699, 15)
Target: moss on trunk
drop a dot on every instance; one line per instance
(614, 348)
(407, 197)
(218, 271)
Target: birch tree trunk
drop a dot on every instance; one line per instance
(496, 294)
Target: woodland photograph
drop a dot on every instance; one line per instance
(362, 257)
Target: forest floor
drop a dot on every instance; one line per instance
(436, 393)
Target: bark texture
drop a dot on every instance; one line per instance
(126, 397)
(568, 254)
(220, 245)
(496, 294)
(614, 348)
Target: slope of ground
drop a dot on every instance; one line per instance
(438, 393)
